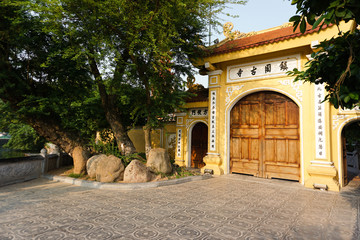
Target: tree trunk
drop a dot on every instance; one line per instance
(112, 113)
(125, 144)
(147, 134)
(54, 134)
(71, 144)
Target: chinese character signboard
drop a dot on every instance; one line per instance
(198, 112)
(320, 122)
(178, 137)
(263, 69)
(212, 120)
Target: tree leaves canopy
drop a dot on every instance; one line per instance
(61, 59)
(336, 63)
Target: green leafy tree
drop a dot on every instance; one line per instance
(62, 59)
(337, 61)
(44, 90)
(144, 46)
(23, 136)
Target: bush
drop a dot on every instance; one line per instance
(24, 137)
(110, 148)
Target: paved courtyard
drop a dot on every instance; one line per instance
(227, 207)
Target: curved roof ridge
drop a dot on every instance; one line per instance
(262, 37)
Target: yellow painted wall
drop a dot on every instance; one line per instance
(321, 170)
(160, 138)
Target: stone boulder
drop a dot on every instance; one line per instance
(92, 163)
(80, 157)
(110, 169)
(137, 172)
(159, 161)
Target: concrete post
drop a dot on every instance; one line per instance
(44, 164)
(57, 152)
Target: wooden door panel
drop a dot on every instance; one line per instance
(249, 113)
(244, 148)
(245, 166)
(247, 132)
(254, 114)
(235, 149)
(266, 128)
(281, 150)
(254, 149)
(270, 150)
(280, 113)
(293, 114)
(294, 152)
(281, 132)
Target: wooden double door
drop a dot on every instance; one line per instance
(264, 136)
(199, 145)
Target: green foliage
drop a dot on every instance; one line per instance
(183, 172)
(73, 62)
(108, 148)
(351, 133)
(143, 64)
(128, 158)
(330, 64)
(325, 12)
(76, 175)
(336, 62)
(38, 84)
(23, 137)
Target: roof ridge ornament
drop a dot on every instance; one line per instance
(287, 24)
(227, 30)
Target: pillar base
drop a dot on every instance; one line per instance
(213, 162)
(322, 175)
(181, 163)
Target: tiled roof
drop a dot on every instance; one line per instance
(272, 36)
(201, 95)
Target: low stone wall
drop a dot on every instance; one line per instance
(14, 170)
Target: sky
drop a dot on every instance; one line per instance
(256, 15)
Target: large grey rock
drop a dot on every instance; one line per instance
(80, 157)
(137, 172)
(92, 163)
(110, 169)
(159, 161)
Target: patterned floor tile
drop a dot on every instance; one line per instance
(227, 207)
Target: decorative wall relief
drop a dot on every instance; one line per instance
(295, 85)
(180, 120)
(188, 122)
(336, 120)
(230, 90)
(355, 110)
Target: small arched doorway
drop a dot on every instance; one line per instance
(350, 137)
(265, 136)
(199, 144)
